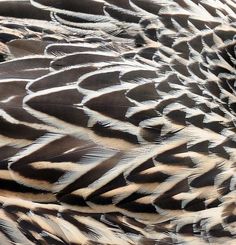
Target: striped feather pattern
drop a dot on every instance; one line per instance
(117, 122)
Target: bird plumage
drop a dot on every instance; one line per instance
(117, 122)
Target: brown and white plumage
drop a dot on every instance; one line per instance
(117, 122)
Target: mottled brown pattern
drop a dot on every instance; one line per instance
(117, 122)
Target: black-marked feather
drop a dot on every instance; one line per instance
(117, 122)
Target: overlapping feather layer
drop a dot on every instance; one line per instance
(117, 122)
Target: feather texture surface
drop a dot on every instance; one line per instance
(117, 122)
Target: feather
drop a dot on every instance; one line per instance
(117, 122)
